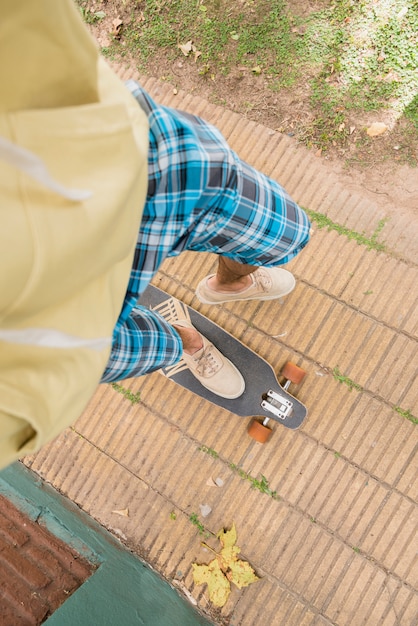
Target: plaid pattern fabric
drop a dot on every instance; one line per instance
(201, 197)
(145, 343)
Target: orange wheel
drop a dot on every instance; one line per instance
(259, 432)
(293, 372)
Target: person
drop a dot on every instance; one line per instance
(99, 185)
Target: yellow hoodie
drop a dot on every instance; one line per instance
(73, 179)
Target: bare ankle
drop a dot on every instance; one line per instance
(190, 338)
(239, 284)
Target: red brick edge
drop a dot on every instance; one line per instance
(38, 571)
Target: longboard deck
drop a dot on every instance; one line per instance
(258, 374)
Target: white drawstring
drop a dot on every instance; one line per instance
(33, 166)
(50, 338)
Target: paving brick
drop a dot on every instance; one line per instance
(330, 273)
(381, 611)
(301, 616)
(371, 353)
(280, 519)
(403, 607)
(347, 330)
(367, 499)
(359, 431)
(309, 501)
(332, 409)
(313, 311)
(305, 560)
(51, 566)
(409, 399)
(322, 578)
(343, 514)
(10, 617)
(19, 603)
(355, 581)
(285, 543)
(368, 442)
(349, 570)
(381, 287)
(17, 537)
(393, 533)
(370, 600)
(300, 477)
(376, 439)
(407, 480)
(408, 610)
(400, 554)
(395, 300)
(23, 566)
(395, 376)
(264, 593)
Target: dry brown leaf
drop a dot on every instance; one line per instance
(186, 48)
(122, 512)
(377, 128)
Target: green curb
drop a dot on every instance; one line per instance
(123, 590)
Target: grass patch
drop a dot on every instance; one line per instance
(89, 16)
(411, 112)
(225, 35)
(194, 519)
(210, 451)
(406, 413)
(261, 484)
(344, 380)
(134, 398)
(371, 243)
(345, 57)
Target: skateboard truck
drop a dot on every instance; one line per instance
(279, 406)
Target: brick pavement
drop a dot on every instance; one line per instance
(38, 572)
(339, 544)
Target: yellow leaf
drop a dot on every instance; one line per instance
(218, 586)
(227, 537)
(228, 555)
(241, 574)
(225, 568)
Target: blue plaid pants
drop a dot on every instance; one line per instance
(200, 197)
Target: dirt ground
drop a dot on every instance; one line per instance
(374, 165)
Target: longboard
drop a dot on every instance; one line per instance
(264, 398)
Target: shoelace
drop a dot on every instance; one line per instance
(262, 280)
(206, 364)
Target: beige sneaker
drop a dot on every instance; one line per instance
(268, 283)
(213, 370)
